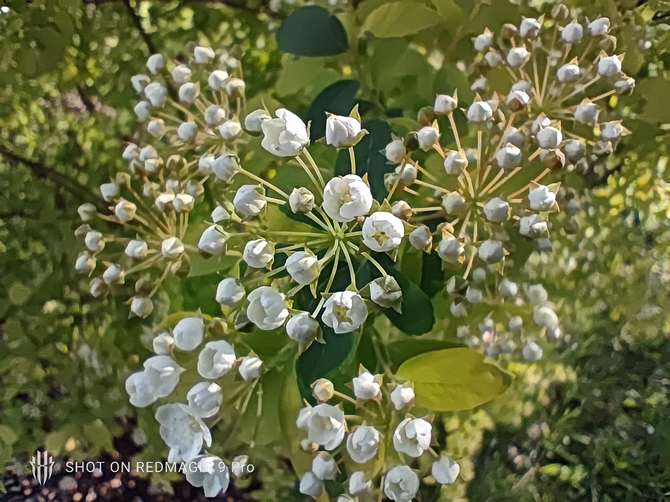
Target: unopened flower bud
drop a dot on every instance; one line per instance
(599, 27)
(549, 138)
(220, 214)
(203, 55)
(572, 33)
(427, 137)
(94, 241)
(235, 87)
(483, 41)
(323, 390)
(421, 238)
(301, 200)
(183, 202)
(541, 198)
(225, 167)
(529, 28)
(155, 63)
(395, 151)
(401, 209)
(302, 328)
(254, 120)
(453, 203)
(156, 93)
(181, 74)
(587, 113)
(230, 130)
(142, 111)
(509, 156)
(402, 396)
(187, 130)
(87, 212)
(85, 263)
(568, 73)
(343, 132)
(508, 288)
(258, 253)
(250, 368)
(491, 251)
(125, 211)
(517, 100)
(249, 200)
(114, 274)
(98, 288)
(172, 248)
(164, 202)
(531, 352)
(141, 306)
(479, 111)
(609, 66)
(444, 104)
(455, 163)
(303, 267)
(532, 226)
(188, 92)
(137, 249)
(624, 86)
(450, 249)
(517, 57)
(214, 115)
(217, 80)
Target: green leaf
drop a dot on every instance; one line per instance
(201, 265)
(402, 350)
(322, 359)
(369, 159)
(312, 31)
(338, 98)
(453, 379)
(7, 435)
(398, 19)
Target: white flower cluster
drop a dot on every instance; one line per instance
(326, 428)
(183, 426)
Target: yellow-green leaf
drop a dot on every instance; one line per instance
(453, 379)
(398, 19)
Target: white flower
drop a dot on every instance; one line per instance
(114, 274)
(358, 485)
(540, 123)
(188, 333)
(94, 241)
(522, 85)
(155, 63)
(156, 93)
(611, 131)
(324, 423)
(220, 214)
(532, 226)
(572, 33)
(172, 248)
(235, 87)
(536, 294)
(386, 292)
(142, 111)
(491, 251)
(517, 57)
(204, 399)
(344, 311)
(382, 231)
(188, 92)
(258, 253)
(545, 317)
(453, 203)
(217, 80)
(483, 41)
(515, 324)
(250, 368)
(343, 132)
(450, 249)
(303, 267)
(85, 263)
(406, 173)
(509, 156)
(517, 100)
(210, 473)
(514, 136)
(87, 212)
(445, 471)
(599, 27)
(427, 137)
(474, 295)
(324, 466)
(139, 82)
(421, 238)
(395, 151)
(323, 390)
(301, 200)
(586, 113)
(568, 73)
(253, 122)
(444, 104)
(402, 396)
(363, 443)
(183, 202)
(212, 240)
(130, 152)
(609, 66)
(401, 484)
(203, 55)
(412, 436)
(267, 308)
(214, 115)
(508, 288)
(492, 58)
(531, 351)
(216, 359)
(141, 306)
(125, 210)
(229, 292)
(366, 385)
(181, 74)
(109, 191)
(541, 198)
(225, 167)
(479, 111)
(302, 328)
(311, 485)
(346, 198)
(182, 432)
(455, 163)
(249, 200)
(529, 28)
(549, 138)
(162, 344)
(574, 150)
(159, 379)
(98, 287)
(624, 85)
(187, 130)
(230, 129)
(286, 135)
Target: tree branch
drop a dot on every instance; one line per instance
(42, 171)
(138, 24)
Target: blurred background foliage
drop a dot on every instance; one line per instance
(591, 421)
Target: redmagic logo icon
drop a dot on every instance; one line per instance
(42, 467)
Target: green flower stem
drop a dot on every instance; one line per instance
(369, 258)
(276, 201)
(308, 171)
(352, 157)
(313, 164)
(293, 234)
(160, 280)
(149, 262)
(330, 280)
(262, 182)
(327, 227)
(344, 396)
(352, 273)
(433, 187)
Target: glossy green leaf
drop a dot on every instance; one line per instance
(338, 98)
(453, 379)
(312, 31)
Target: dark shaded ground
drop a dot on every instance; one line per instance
(109, 486)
